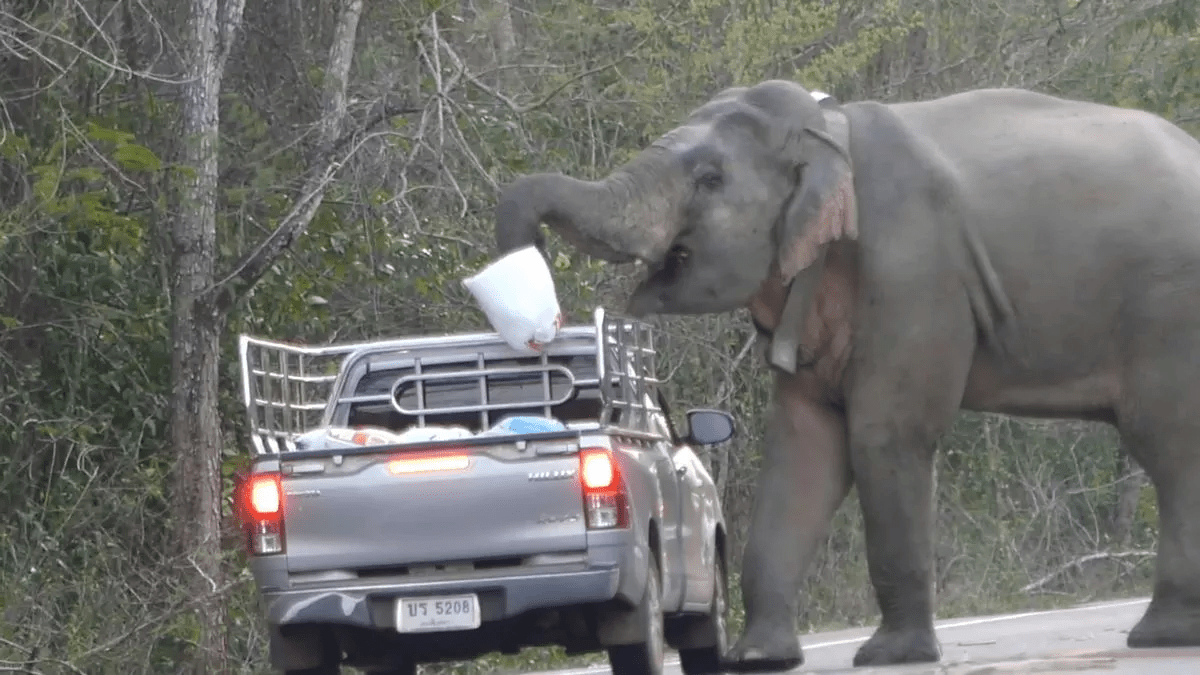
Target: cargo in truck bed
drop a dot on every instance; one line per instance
(439, 498)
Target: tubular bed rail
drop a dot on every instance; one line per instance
(289, 389)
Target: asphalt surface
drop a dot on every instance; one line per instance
(1085, 639)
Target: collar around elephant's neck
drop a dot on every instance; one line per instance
(768, 312)
(766, 306)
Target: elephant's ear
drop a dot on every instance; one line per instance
(823, 207)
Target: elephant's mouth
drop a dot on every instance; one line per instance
(650, 295)
(671, 268)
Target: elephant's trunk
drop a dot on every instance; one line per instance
(624, 217)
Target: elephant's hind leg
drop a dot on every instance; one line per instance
(1166, 445)
(803, 479)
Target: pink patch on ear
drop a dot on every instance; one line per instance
(837, 219)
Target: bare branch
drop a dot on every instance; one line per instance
(549, 96)
(230, 23)
(1136, 474)
(726, 387)
(433, 60)
(387, 112)
(1078, 562)
(256, 262)
(175, 610)
(34, 659)
(9, 34)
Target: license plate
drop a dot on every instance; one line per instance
(451, 612)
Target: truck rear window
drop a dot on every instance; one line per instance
(573, 403)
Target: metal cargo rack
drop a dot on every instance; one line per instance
(287, 389)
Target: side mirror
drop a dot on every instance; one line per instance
(709, 427)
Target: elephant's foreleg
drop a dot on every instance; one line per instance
(803, 479)
(896, 494)
(908, 378)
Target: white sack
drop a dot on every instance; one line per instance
(517, 294)
(332, 438)
(434, 433)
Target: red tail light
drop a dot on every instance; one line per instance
(262, 496)
(605, 503)
(598, 469)
(266, 495)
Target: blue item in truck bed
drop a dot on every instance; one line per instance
(526, 424)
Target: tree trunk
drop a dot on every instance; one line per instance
(196, 326)
(200, 301)
(196, 439)
(337, 73)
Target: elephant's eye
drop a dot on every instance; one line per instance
(676, 257)
(710, 179)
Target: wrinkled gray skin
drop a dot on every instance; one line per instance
(1016, 253)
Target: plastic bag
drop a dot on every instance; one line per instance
(332, 438)
(524, 424)
(433, 433)
(517, 294)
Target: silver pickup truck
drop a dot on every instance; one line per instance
(439, 498)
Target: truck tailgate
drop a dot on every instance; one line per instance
(397, 509)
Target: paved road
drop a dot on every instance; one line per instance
(1085, 639)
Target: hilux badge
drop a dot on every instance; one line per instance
(552, 475)
(547, 520)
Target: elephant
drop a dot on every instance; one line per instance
(997, 250)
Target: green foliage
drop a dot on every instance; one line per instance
(83, 353)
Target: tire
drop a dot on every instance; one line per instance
(408, 668)
(707, 660)
(331, 659)
(645, 657)
(319, 670)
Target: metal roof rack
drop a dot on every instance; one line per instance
(287, 389)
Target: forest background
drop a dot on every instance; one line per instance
(175, 173)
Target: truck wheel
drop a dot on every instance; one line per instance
(407, 668)
(707, 660)
(645, 657)
(333, 668)
(331, 659)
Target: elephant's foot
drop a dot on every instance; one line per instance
(1164, 624)
(890, 647)
(765, 649)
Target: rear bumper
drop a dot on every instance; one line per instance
(500, 596)
(614, 568)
